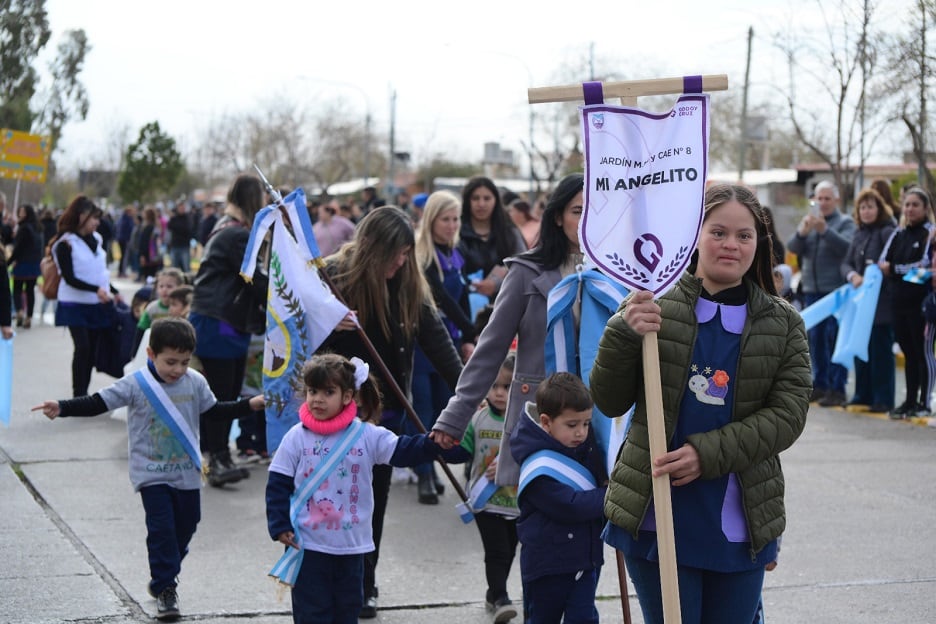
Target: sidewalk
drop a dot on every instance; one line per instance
(859, 546)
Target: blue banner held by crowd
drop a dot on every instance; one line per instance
(6, 380)
(854, 309)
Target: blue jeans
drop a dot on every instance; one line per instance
(181, 257)
(705, 597)
(328, 589)
(548, 598)
(430, 396)
(826, 375)
(171, 518)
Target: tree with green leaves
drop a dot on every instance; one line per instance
(152, 167)
(24, 106)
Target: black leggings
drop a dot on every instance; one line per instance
(24, 291)
(86, 344)
(225, 377)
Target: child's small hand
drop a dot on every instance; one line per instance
(288, 538)
(49, 408)
(770, 567)
(257, 403)
(491, 470)
(443, 439)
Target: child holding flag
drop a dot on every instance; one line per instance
(497, 518)
(165, 401)
(319, 496)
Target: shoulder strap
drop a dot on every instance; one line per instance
(558, 467)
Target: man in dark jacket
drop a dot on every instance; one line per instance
(821, 241)
(180, 237)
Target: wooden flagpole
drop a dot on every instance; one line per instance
(628, 91)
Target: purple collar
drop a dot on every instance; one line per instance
(732, 316)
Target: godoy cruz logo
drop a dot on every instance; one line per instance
(598, 121)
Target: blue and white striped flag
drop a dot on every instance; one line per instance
(301, 310)
(601, 296)
(918, 275)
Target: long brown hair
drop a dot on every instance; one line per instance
(78, 212)
(378, 240)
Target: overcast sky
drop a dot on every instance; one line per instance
(460, 70)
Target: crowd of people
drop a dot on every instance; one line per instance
(480, 383)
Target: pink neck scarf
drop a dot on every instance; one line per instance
(327, 427)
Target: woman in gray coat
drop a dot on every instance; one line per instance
(519, 311)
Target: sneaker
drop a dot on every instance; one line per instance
(899, 413)
(919, 411)
(816, 394)
(167, 605)
(833, 399)
(248, 456)
(503, 610)
(221, 470)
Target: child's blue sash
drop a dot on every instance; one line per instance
(556, 466)
(286, 569)
(169, 413)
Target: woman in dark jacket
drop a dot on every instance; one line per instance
(908, 250)
(379, 278)
(148, 249)
(487, 236)
(226, 310)
(874, 379)
(27, 252)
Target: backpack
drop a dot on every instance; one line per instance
(50, 275)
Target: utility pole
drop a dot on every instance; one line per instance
(390, 173)
(742, 143)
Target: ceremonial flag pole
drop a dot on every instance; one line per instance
(375, 357)
(653, 166)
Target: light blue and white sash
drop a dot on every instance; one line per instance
(287, 568)
(556, 466)
(169, 413)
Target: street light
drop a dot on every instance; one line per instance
(367, 117)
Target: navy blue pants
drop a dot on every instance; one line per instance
(705, 597)
(171, 518)
(328, 589)
(548, 598)
(875, 380)
(430, 396)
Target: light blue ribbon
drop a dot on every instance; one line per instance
(286, 570)
(294, 206)
(556, 466)
(6, 379)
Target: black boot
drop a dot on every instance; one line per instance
(221, 470)
(427, 490)
(439, 486)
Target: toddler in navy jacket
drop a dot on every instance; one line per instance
(561, 499)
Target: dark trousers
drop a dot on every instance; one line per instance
(86, 342)
(381, 485)
(225, 377)
(171, 518)
(826, 375)
(122, 267)
(549, 598)
(705, 597)
(253, 432)
(24, 295)
(875, 379)
(328, 589)
(499, 538)
(909, 328)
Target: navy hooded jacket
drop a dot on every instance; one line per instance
(559, 527)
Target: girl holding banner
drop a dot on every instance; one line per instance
(735, 387)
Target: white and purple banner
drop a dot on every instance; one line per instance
(644, 187)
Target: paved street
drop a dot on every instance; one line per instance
(859, 549)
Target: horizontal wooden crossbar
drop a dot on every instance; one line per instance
(624, 89)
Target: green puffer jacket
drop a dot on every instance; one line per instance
(773, 383)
